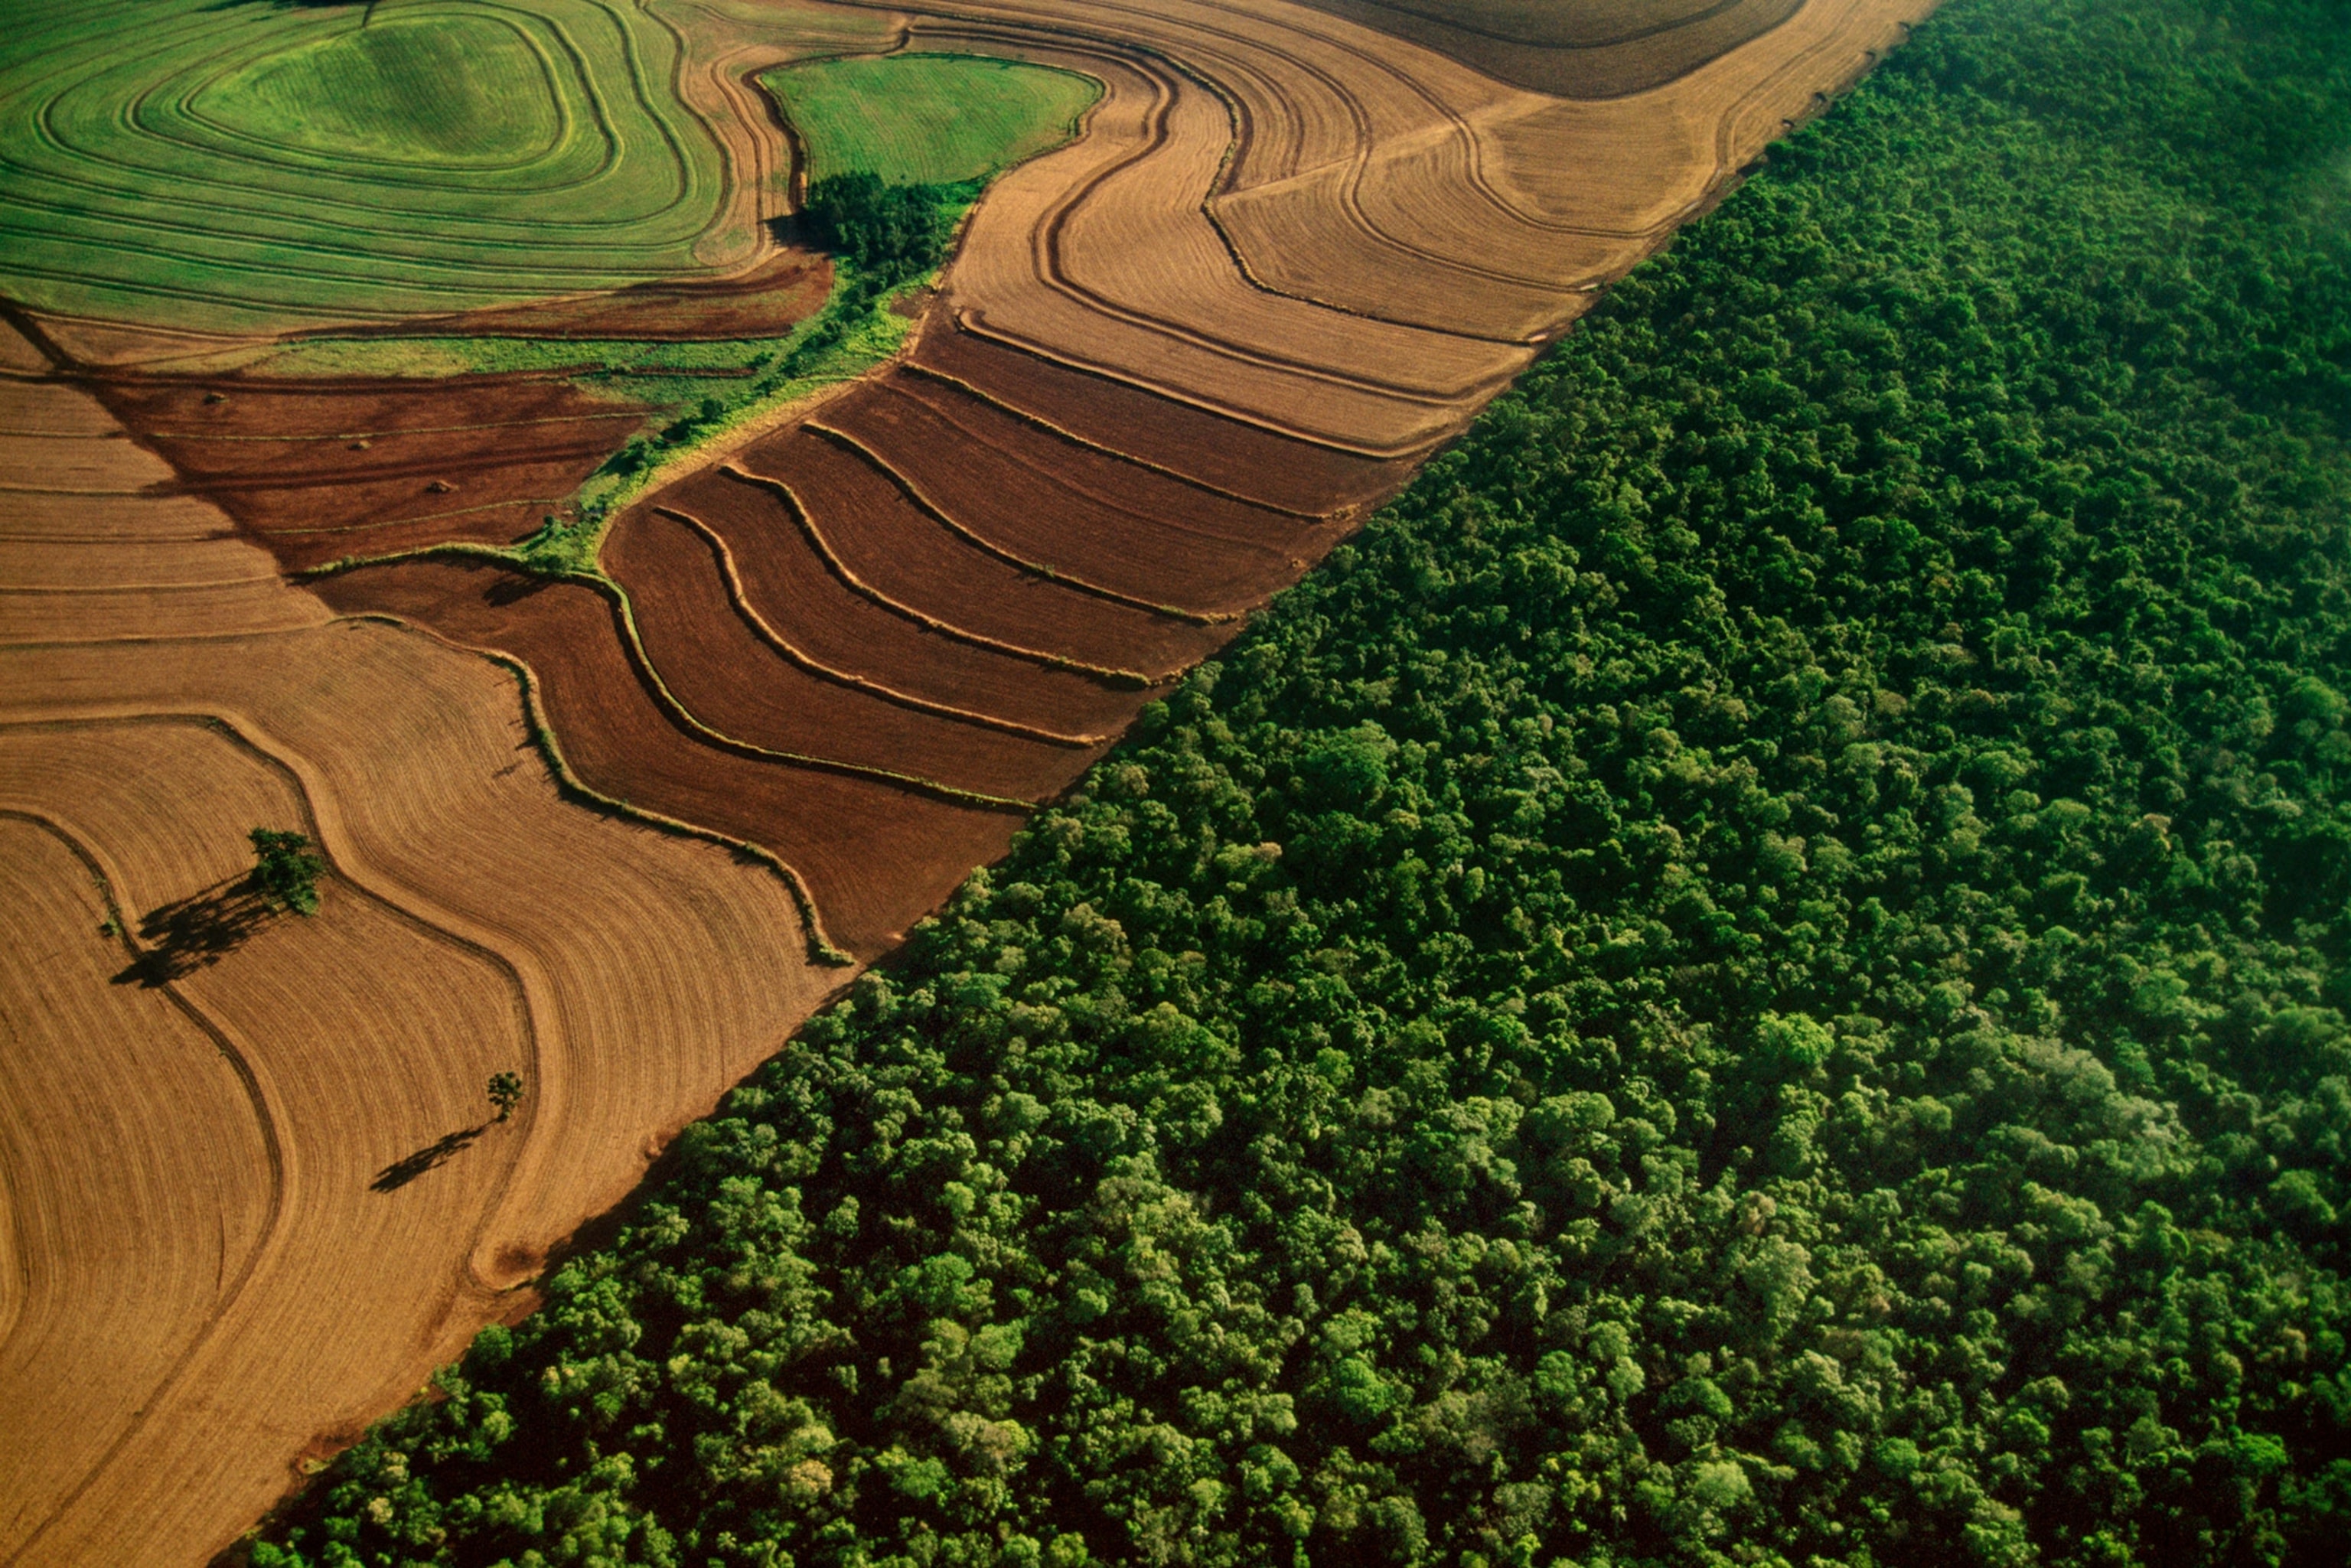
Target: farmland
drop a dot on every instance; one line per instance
(1753, 972)
(653, 621)
(927, 119)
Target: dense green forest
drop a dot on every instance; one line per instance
(1755, 973)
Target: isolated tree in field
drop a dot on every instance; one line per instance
(505, 1093)
(285, 872)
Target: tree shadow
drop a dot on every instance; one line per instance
(408, 1167)
(512, 588)
(197, 931)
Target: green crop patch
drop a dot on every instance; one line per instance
(260, 166)
(922, 119)
(432, 89)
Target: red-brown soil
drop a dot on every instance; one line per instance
(1075, 510)
(1117, 417)
(876, 856)
(1594, 49)
(715, 663)
(789, 585)
(887, 526)
(317, 469)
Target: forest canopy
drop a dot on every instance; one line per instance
(1755, 973)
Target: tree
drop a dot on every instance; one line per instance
(505, 1093)
(892, 231)
(285, 872)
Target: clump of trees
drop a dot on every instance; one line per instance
(505, 1093)
(892, 232)
(889, 234)
(1756, 974)
(285, 871)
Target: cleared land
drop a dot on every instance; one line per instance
(279, 1113)
(1574, 48)
(876, 855)
(921, 119)
(317, 468)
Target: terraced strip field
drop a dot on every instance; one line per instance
(250, 167)
(938, 596)
(1584, 48)
(251, 1198)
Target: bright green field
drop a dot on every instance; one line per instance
(928, 118)
(256, 166)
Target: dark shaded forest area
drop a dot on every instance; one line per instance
(1755, 973)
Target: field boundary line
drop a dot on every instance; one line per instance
(1038, 421)
(968, 321)
(617, 597)
(767, 633)
(270, 1232)
(1106, 495)
(952, 793)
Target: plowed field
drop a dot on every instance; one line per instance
(250, 1195)
(875, 853)
(318, 468)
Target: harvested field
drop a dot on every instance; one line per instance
(300, 1239)
(1482, 227)
(153, 1220)
(329, 1264)
(876, 855)
(1134, 279)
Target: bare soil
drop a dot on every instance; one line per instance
(876, 856)
(318, 469)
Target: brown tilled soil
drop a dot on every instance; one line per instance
(791, 588)
(889, 535)
(318, 469)
(876, 856)
(1255, 464)
(714, 662)
(1074, 511)
(1591, 48)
